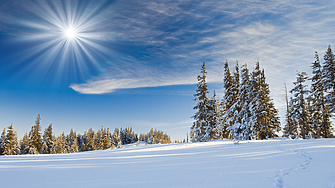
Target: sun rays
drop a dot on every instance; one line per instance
(65, 41)
(70, 33)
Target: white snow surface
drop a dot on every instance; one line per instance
(265, 163)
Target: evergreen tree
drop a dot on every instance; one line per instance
(319, 109)
(106, 142)
(35, 137)
(290, 129)
(242, 124)
(98, 139)
(328, 78)
(267, 120)
(298, 104)
(213, 117)
(49, 141)
(257, 105)
(11, 145)
(291, 126)
(128, 136)
(90, 146)
(30, 146)
(72, 142)
(61, 146)
(116, 139)
(228, 101)
(2, 141)
(80, 143)
(235, 108)
(157, 137)
(200, 130)
(23, 144)
(74, 146)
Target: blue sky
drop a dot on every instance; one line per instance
(135, 63)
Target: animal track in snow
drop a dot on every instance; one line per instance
(279, 182)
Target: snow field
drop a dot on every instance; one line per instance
(265, 163)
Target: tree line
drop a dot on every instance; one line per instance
(247, 111)
(309, 109)
(36, 143)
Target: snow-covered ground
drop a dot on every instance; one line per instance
(268, 163)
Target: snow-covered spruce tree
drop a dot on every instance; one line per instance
(128, 136)
(201, 129)
(241, 128)
(35, 138)
(44, 149)
(65, 144)
(227, 102)
(106, 138)
(74, 147)
(30, 147)
(236, 107)
(61, 146)
(213, 116)
(328, 78)
(298, 104)
(157, 137)
(98, 140)
(90, 145)
(11, 145)
(256, 104)
(72, 142)
(263, 109)
(320, 121)
(49, 141)
(2, 141)
(80, 142)
(23, 144)
(116, 140)
(290, 129)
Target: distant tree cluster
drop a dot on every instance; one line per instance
(155, 137)
(309, 110)
(245, 112)
(47, 143)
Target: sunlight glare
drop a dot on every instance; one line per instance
(70, 33)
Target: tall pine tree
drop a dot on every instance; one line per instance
(2, 141)
(49, 141)
(241, 128)
(228, 101)
(200, 130)
(235, 107)
(328, 78)
(11, 145)
(319, 109)
(298, 104)
(34, 145)
(267, 120)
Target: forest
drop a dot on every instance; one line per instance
(247, 111)
(36, 143)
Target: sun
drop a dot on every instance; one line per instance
(70, 33)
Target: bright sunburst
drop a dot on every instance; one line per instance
(70, 33)
(67, 33)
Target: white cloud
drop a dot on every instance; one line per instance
(110, 85)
